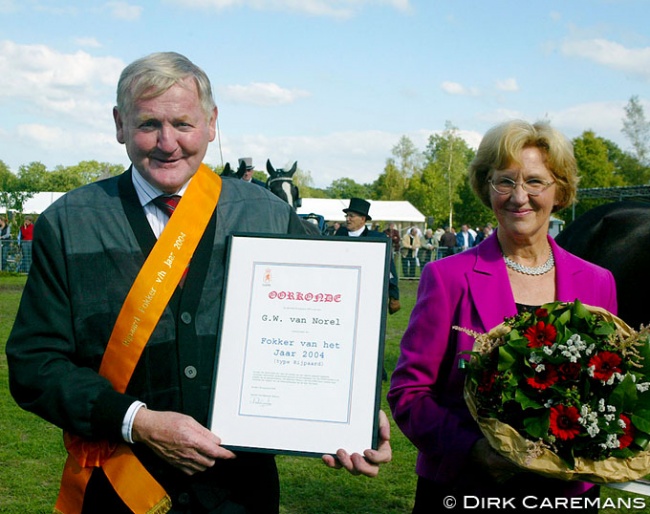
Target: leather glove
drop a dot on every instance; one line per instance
(393, 305)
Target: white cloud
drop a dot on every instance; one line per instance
(635, 61)
(457, 89)
(89, 42)
(8, 6)
(124, 11)
(330, 8)
(261, 93)
(360, 156)
(604, 118)
(509, 84)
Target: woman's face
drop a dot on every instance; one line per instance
(520, 214)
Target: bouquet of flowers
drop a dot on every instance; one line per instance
(565, 391)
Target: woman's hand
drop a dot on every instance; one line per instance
(368, 463)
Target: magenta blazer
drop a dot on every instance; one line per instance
(470, 290)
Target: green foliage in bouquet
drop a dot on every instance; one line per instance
(567, 378)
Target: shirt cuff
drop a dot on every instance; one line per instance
(127, 423)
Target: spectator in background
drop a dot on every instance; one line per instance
(410, 245)
(429, 249)
(447, 244)
(464, 238)
(248, 174)
(25, 237)
(393, 233)
(5, 236)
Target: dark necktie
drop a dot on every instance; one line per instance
(168, 204)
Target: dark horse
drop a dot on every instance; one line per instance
(280, 183)
(229, 172)
(616, 236)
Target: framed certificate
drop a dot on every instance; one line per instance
(301, 344)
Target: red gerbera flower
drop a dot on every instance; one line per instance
(540, 335)
(487, 381)
(569, 370)
(605, 365)
(628, 433)
(564, 422)
(543, 379)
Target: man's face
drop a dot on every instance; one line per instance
(354, 221)
(166, 137)
(248, 175)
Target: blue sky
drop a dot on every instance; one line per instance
(332, 84)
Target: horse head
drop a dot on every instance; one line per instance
(229, 172)
(280, 183)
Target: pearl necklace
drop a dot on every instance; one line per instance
(530, 270)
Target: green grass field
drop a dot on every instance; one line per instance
(32, 453)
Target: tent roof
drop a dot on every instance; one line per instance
(40, 201)
(380, 210)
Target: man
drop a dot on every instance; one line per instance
(464, 238)
(396, 239)
(447, 241)
(135, 422)
(356, 217)
(248, 174)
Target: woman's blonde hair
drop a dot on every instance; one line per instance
(501, 147)
(152, 75)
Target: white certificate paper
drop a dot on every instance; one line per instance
(301, 344)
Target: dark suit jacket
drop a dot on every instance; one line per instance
(393, 280)
(470, 290)
(88, 249)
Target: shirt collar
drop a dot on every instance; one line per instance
(357, 233)
(145, 191)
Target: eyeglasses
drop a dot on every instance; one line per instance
(533, 186)
(351, 215)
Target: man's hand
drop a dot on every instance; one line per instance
(179, 440)
(393, 305)
(368, 463)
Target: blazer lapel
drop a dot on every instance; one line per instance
(489, 286)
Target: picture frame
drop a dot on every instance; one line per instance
(301, 344)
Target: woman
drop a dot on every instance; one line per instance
(524, 173)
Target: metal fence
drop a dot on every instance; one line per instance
(15, 255)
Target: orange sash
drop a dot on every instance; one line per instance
(145, 303)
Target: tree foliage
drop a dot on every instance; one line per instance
(347, 188)
(435, 191)
(637, 129)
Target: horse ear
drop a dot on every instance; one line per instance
(269, 167)
(293, 169)
(242, 169)
(226, 172)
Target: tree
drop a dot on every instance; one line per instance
(637, 129)
(66, 178)
(628, 167)
(32, 177)
(405, 162)
(594, 167)
(347, 188)
(12, 194)
(447, 158)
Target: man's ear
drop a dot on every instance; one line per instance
(119, 126)
(212, 124)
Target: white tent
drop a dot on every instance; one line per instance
(40, 201)
(380, 210)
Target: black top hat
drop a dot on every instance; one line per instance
(248, 161)
(360, 206)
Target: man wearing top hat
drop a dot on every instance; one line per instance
(248, 174)
(356, 216)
